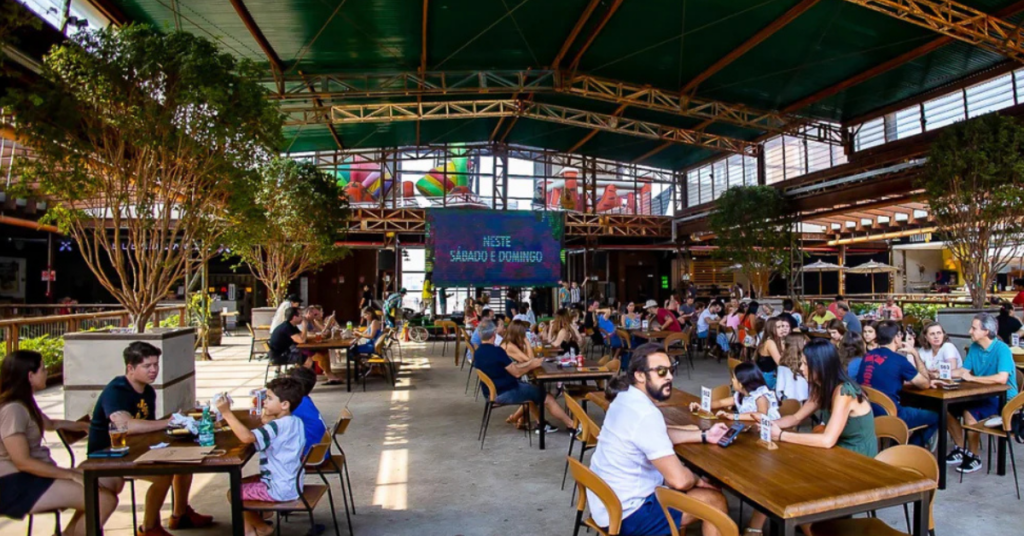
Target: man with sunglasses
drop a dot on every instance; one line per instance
(635, 454)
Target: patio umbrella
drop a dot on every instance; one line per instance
(873, 267)
(820, 267)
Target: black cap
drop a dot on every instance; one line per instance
(294, 298)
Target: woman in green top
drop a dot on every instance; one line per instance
(850, 422)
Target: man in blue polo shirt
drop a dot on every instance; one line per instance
(988, 361)
(886, 371)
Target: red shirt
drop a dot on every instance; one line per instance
(1019, 299)
(667, 320)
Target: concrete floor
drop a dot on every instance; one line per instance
(417, 468)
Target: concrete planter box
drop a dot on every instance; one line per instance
(956, 321)
(92, 359)
(261, 316)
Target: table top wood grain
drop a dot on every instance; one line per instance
(552, 372)
(792, 481)
(236, 453)
(328, 344)
(966, 389)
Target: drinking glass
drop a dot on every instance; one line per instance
(118, 437)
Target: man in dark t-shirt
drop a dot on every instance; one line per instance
(505, 373)
(131, 400)
(285, 337)
(886, 371)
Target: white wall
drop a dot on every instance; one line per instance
(929, 259)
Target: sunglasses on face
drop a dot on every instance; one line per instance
(661, 371)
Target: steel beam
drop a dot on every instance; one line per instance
(594, 33)
(276, 65)
(389, 112)
(956, 20)
(334, 87)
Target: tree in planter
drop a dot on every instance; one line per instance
(753, 229)
(974, 181)
(297, 214)
(141, 141)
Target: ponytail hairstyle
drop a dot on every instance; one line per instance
(637, 363)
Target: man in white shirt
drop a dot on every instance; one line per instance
(526, 314)
(636, 452)
(293, 300)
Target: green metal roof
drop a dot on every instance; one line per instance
(664, 43)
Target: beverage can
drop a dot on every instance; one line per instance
(258, 397)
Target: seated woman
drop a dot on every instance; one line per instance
(30, 481)
(769, 352)
(313, 317)
(936, 349)
(517, 345)
(849, 420)
(836, 329)
(631, 318)
(869, 335)
(852, 352)
(368, 336)
(789, 383)
(562, 332)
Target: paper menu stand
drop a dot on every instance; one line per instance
(1014, 339)
(945, 371)
(705, 404)
(765, 440)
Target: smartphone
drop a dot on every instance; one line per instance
(731, 435)
(107, 453)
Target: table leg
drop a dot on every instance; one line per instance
(92, 504)
(921, 515)
(348, 372)
(540, 413)
(237, 519)
(1001, 455)
(789, 528)
(941, 450)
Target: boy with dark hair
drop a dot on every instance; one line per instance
(306, 411)
(131, 400)
(280, 441)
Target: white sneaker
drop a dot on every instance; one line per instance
(548, 429)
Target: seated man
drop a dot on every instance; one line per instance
(686, 310)
(890, 310)
(505, 373)
(886, 371)
(590, 322)
(526, 314)
(849, 318)
(131, 399)
(314, 324)
(293, 300)
(661, 319)
(284, 341)
(635, 453)
(711, 314)
(820, 316)
(306, 411)
(988, 361)
(787, 314)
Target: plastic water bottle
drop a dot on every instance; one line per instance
(206, 429)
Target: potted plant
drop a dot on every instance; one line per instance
(140, 141)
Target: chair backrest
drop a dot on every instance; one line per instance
(251, 332)
(588, 480)
(589, 429)
(342, 423)
(893, 428)
(1011, 407)
(382, 340)
(671, 499)
(614, 365)
(880, 398)
(722, 391)
(491, 391)
(789, 406)
(624, 336)
(600, 402)
(317, 455)
(672, 339)
(1020, 379)
(733, 362)
(915, 459)
(70, 437)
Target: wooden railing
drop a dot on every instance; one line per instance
(24, 310)
(15, 329)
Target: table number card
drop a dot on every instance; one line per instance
(705, 400)
(945, 371)
(766, 434)
(1014, 340)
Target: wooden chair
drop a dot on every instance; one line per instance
(722, 391)
(1005, 432)
(586, 434)
(789, 407)
(450, 332)
(309, 494)
(337, 464)
(256, 343)
(626, 338)
(465, 337)
(393, 341)
(733, 363)
(490, 404)
(909, 457)
(379, 359)
(588, 480)
(471, 348)
(678, 353)
(670, 499)
(600, 402)
(889, 428)
(877, 397)
(270, 363)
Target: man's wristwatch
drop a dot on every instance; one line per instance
(704, 437)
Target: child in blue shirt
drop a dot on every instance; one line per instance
(307, 412)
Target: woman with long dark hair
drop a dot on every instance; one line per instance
(769, 352)
(850, 423)
(30, 481)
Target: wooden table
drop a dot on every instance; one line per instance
(794, 484)
(236, 456)
(551, 372)
(650, 335)
(940, 399)
(324, 347)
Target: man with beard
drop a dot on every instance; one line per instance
(635, 454)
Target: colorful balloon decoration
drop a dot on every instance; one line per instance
(436, 184)
(362, 180)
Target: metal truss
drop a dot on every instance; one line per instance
(956, 20)
(445, 83)
(413, 221)
(422, 111)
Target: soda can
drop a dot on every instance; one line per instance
(258, 397)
